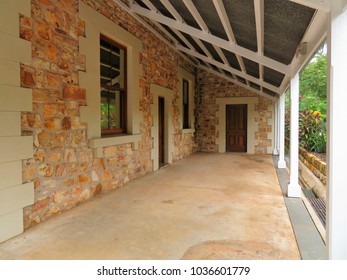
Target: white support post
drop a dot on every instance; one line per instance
(282, 107)
(336, 146)
(275, 151)
(294, 189)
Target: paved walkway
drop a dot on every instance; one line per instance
(207, 206)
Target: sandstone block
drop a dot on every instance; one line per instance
(74, 92)
(40, 205)
(53, 124)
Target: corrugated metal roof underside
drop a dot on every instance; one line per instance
(242, 20)
(272, 76)
(211, 18)
(252, 68)
(285, 24)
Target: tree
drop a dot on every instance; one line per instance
(313, 82)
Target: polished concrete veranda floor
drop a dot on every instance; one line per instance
(207, 206)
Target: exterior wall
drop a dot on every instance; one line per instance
(213, 94)
(14, 147)
(71, 163)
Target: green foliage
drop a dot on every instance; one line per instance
(109, 116)
(313, 84)
(313, 105)
(312, 131)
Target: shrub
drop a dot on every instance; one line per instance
(312, 131)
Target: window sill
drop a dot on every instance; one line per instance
(188, 130)
(98, 143)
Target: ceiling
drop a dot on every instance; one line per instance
(258, 44)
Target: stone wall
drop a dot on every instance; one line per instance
(212, 87)
(312, 173)
(64, 171)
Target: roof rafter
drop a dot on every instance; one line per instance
(238, 83)
(316, 33)
(224, 19)
(195, 13)
(229, 69)
(172, 10)
(280, 67)
(259, 22)
(228, 29)
(155, 32)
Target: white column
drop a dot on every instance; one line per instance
(281, 124)
(336, 149)
(294, 189)
(275, 128)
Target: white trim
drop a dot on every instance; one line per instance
(275, 122)
(236, 82)
(229, 68)
(97, 24)
(336, 134)
(185, 75)
(251, 124)
(225, 44)
(315, 4)
(192, 9)
(224, 19)
(281, 162)
(294, 189)
(159, 91)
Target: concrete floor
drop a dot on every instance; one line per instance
(207, 206)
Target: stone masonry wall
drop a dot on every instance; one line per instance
(63, 168)
(211, 87)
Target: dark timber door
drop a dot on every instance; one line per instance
(236, 128)
(161, 133)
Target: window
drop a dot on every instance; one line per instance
(113, 95)
(185, 104)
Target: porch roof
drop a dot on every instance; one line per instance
(258, 44)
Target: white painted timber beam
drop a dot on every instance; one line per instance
(156, 33)
(195, 13)
(336, 134)
(294, 189)
(315, 4)
(228, 29)
(281, 107)
(172, 10)
(315, 36)
(214, 40)
(150, 5)
(224, 19)
(259, 23)
(236, 82)
(229, 68)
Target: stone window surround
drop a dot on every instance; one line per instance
(185, 75)
(159, 91)
(97, 24)
(221, 116)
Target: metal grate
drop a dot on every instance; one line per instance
(319, 206)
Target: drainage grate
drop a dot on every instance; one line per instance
(319, 206)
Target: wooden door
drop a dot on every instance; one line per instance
(236, 128)
(161, 130)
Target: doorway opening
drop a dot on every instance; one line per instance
(236, 128)
(161, 131)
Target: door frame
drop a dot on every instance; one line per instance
(228, 121)
(252, 127)
(167, 94)
(161, 131)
